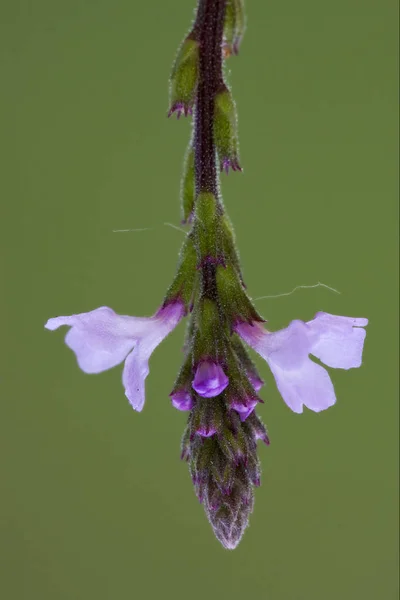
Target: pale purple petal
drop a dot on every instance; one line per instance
(299, 380)
(101, 339)
(308, 385)
(209, 380)
(136, 366)
(338, 341)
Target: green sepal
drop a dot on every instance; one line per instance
(184, 282)
(237, 305)
(207, 229)
(226, 130)
(184, 76)
(207, 415)
(234, 26)
(244, 360)
(230, 251)
(188, 186)
(210, 337)
(185, 375)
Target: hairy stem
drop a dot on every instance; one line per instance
(208, 30)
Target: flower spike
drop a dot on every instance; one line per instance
(218, 383)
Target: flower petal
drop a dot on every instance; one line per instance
(136, 366)
(338, 341)
(299, 380)
(209, 380)
(308, 385)
(135, 371)
(101, 339)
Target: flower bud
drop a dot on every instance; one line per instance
(210, 380)
(234, 27)
(231, 517)
(183, 81)
(182, 400)
(182, 396)
(256, 428)
(206, 418)
(225, 130)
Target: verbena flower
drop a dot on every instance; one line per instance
(101, 339)
(336, 341)
(218, 382)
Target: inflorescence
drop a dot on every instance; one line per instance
(218, 383)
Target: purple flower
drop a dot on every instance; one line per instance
(101, 339)
(182, 400)
(209, 380)
(206, 430)
(336, 341)
(245, 407)
(255, 381)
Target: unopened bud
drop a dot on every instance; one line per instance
(183, 80)
(225, 129)
(234, 27)
(256, 428)
(231, 518)
(209, 380)
(206, 418)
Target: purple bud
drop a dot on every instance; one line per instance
(244, 408)
(209, 380)
(180, 109)
(230, 163)
(255, 381)
(182, 400)
(257, 429)
(206, 430)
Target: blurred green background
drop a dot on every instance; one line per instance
(95, 502)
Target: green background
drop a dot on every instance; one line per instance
(95, 502)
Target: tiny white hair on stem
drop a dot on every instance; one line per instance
(300, 287)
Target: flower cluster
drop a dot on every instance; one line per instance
(218, 383)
